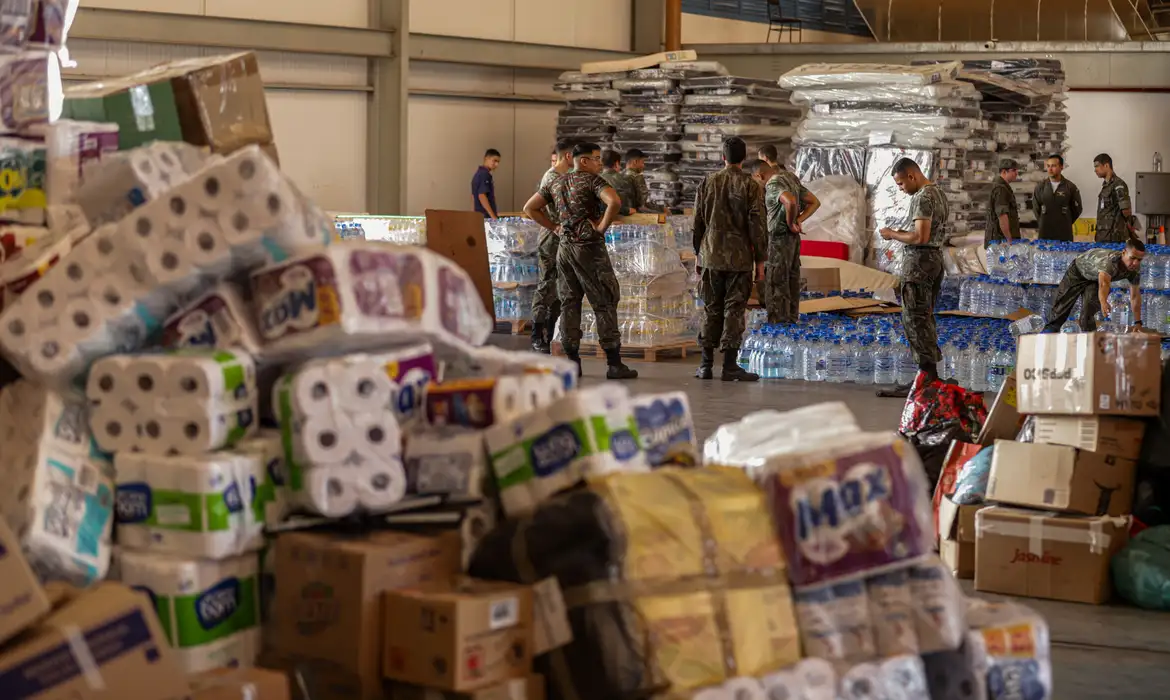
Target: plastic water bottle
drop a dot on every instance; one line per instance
(837, 361)
(980, 366)
(947, 370)
(863, 361)
(820, 353)
(884, 368)
(808, 363)
(745, 351)
(962, 365)
(771, 358)
(905, 368)
(786, 366)
(998, 369)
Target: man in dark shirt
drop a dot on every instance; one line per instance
(1057, 202)
(583, 265)
(731, 244)
(1089, 277)
(483, 186)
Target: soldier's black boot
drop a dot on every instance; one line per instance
(705, 364)
(539, 343)
(574, 354)
(732, 372)
(617, 369)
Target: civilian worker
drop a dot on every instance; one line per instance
(583, 265)
(1057, 202)
(1003, 214)
(1089, 278)
(731, 244)
(546, 307)
(483, 185)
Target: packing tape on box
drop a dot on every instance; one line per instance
(1037, 533)
(83, 655)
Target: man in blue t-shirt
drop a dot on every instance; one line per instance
(483, 187)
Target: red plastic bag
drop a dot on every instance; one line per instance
(936, 414)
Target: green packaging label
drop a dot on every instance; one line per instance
(230, 606)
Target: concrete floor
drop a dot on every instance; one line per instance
(1114, 652)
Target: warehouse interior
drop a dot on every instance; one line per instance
(386, 108)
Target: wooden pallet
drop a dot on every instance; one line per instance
(518, 327)
(645, 353)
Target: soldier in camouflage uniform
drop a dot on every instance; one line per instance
(611, 172)
(788, 204)
(583, 265)
(731, 243)
(1003, 213)
(1113, 206)
(1089, 278)
(922, 266)
(635, 165)
(546, 307)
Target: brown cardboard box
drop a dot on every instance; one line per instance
(1120, 437)
(957, 537)
(240, 684)
(221, 101)
(1056, 477)
(531, 688)
(111, 627)
(314, 679)
(820, 279)
(1083, 374)
(460, 637)
(22, 600)
(1004, 419)
(1044, 555)
(621, 65)
(328, 595)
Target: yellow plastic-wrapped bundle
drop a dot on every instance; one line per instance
(673, 581)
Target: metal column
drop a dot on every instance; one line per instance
(387, 117)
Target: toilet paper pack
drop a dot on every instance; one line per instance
(23, 163)
(24, 266)
(273, 502)
(893, 613)
(589, 432)
(30, 83)
(939, 607)
(491, 361)
(667, 429)
(361, 294)
(209, 609)
(59, 491)
(209, 506)
(129, 179)
(450, 461)
(72, 150)
(218, 319)
(1012, 643)
(482, 403)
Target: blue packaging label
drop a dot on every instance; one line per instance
(666, 431)
(218, 603)
(1016, 679)
(555, 450)
(133, 503)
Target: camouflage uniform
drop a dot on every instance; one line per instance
(922, 275)
(643, 200)
(1003, 201)
(729, 240)
(583, 265)
(1081, 280)
(546, 307)
(625, 187)
(782, 291)
(1111, 222)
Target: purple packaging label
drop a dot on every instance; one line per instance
(24, 91)
(210, 324)
(388, 285)
(469, 404)
(412, 375)
(455, 297)
(92, 147)
(296, 297)
(50, 23)
(846, 517)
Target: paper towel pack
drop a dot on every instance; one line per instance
(588, 432)
(452, 462)
(667, 429)
(209, 506)
(209, 609)
(181, 402)
(491, 361)
(58, 493)
(218, 319)
(362, 294)
(111, 293)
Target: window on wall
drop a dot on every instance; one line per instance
(840, 16)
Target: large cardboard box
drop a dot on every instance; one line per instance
(1120, 437)
(22, 600)
(1084, 374)
(1045, 555)
(531, 688)
(145, 109)
(956, 545)
(820, 279)
(104, 644)
(1004, 419)
(462, 637)
(240, 684)
(1056, 477)
(328, 603)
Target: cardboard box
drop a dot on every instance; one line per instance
(957, 537)
(462, 637)
(1120, 437)
(531, 688)
(1044, 555)
(22, 600)
(328, 603)
(145, 109)
(1004, 419)
(1085, 374)
(116, 634)
(820, 279)
(313, 679)
(1056, 477)
(958, 454)
(622, 65)
(240, 684)
(551, 628)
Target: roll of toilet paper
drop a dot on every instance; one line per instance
(324, 439)
(783, 685)
(363, 387)
(478, 403)
(744, 689)
(375, 294)
(863, 682)
(376, 437)
(851, 617)
(818, 678)
(225, 377)
(380, 486)
(817, 617)
(210, 608)
(115, 428)
(667, 429)
(450, 462)
(310, 391)
(892, 611)
(905, 678)
(938, 607)
(331, 491)
(109, 380)
(218, 319)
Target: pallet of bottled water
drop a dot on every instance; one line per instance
(1045, 262)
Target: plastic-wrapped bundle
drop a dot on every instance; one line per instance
(816, 75)
(128, 179)
(815, 162)
(627, 596)
(403, 230)
(841, 217)
(508, 270)
(490, 361)
(757, 436)
(513, 304)
(512, 235)
(890, 206)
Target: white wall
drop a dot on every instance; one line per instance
(340, 13)
(592, 24)
(1129, 126)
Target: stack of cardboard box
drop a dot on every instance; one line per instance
(1062, 500)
